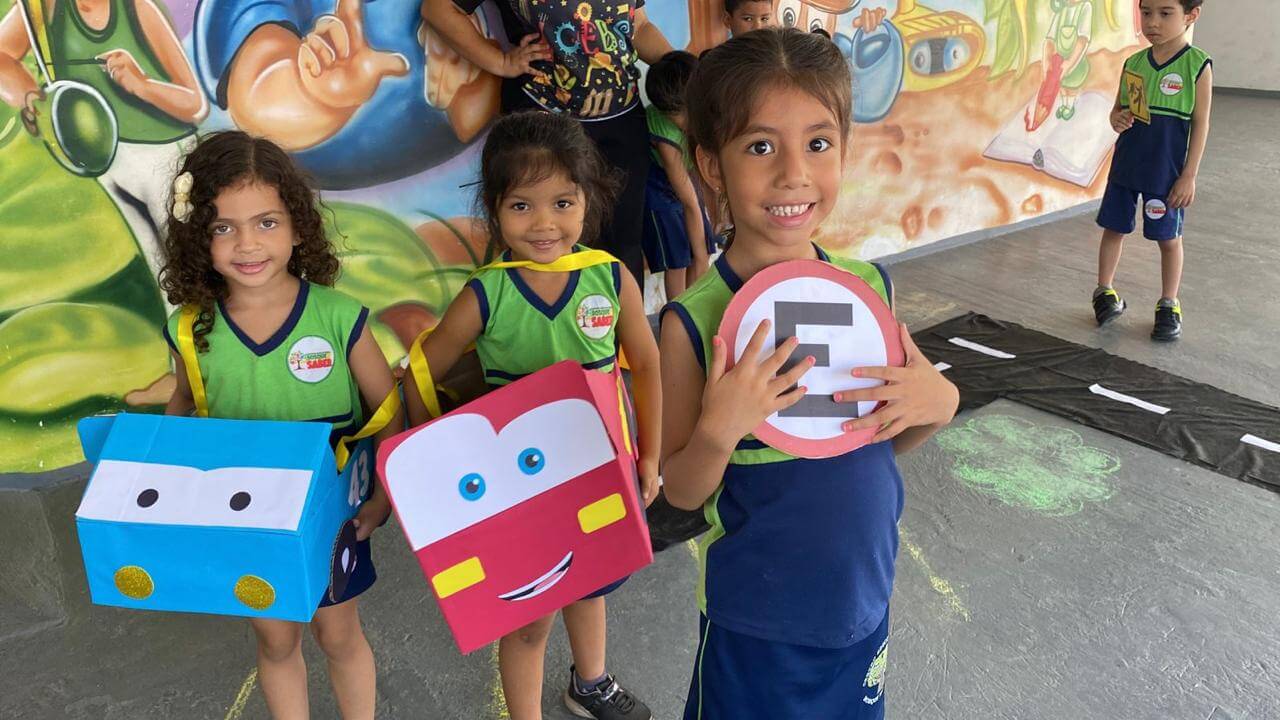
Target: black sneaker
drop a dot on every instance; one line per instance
(1107, 306)
(606, 701)
(1168, 325)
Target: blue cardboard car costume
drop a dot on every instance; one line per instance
(230, 517)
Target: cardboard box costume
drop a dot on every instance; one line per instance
(521, 502)
(230, 517)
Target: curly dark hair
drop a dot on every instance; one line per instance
(224, 160)
(529, 146)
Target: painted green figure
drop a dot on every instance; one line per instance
(1070, 31)
(1042, 468)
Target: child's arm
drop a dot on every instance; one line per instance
(180, 402)
(374, 379)
(673, 164)
(459, 327)
(1121, 117)
(1184, 190)
(646, 382)
(180, 97)
(919, 400)
(700, 430)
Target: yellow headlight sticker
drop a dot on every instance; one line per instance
(458, 578)
(134, 582)
(602, 513)
(255, 592)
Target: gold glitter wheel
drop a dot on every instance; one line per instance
(134, 582)
(255, 592)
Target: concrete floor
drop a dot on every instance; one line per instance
(1149, 590)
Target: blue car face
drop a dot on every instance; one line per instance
(217, 516)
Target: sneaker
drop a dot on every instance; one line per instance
(1168, 325)
(606, 701)
(1107, 305)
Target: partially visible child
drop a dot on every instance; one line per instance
(797, 569)
(677, 237)
(246, 247)
(1157, 161)
(743, 16)
(545, 189)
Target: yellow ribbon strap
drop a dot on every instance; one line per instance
(564, 263)
(422, 374)
(382, 417)
(187, 349)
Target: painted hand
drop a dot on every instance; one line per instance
(30, 109)
(735, 402)
(914, 395)
(335, 63)
(1121, 120)
(1183, 192)
(371, 514)
(870, 19)
(519, 60)
(123, 70)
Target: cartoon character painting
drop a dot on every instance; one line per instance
(127, 55)
(360, 92)
(521, 502)
(1066, 62)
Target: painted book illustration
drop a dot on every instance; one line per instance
(1072, 150)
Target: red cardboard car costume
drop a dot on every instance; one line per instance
(521, 502)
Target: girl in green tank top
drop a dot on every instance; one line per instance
(770, 133)
(544, 189)
(246, 252)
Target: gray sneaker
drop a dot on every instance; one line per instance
(606, 701)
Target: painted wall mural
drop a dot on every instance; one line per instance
(972, 114)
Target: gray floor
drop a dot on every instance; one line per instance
(1143, 588)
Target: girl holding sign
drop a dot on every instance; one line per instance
(797, 568)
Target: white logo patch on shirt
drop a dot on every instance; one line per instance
(1171, 84)
(595, 316)
(311, 359)
(1156, 209)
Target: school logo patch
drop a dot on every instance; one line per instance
(1171, 84)
(873, 685)
(595, 316)
(311, 359)
(1156, 209)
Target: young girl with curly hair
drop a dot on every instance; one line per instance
(246, 249)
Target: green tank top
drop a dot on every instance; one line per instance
(662, 129)
(73, 47)
(1171, 88)
(701, 307)
(521, 334)
(299, 373)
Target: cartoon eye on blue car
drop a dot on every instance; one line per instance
(231, 517)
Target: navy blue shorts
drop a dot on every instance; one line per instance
(1159, 221)
(739, 677)
(664, 239)
(362, 576)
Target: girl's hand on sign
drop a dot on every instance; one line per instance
(735, 402)
(914, 395)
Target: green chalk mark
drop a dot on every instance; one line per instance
(1045, 469)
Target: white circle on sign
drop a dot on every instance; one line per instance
(1171, 84)
(1156, 209)
(833, 313)
(595, 316)
(311, 359)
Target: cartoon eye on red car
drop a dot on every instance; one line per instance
(521, 502)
